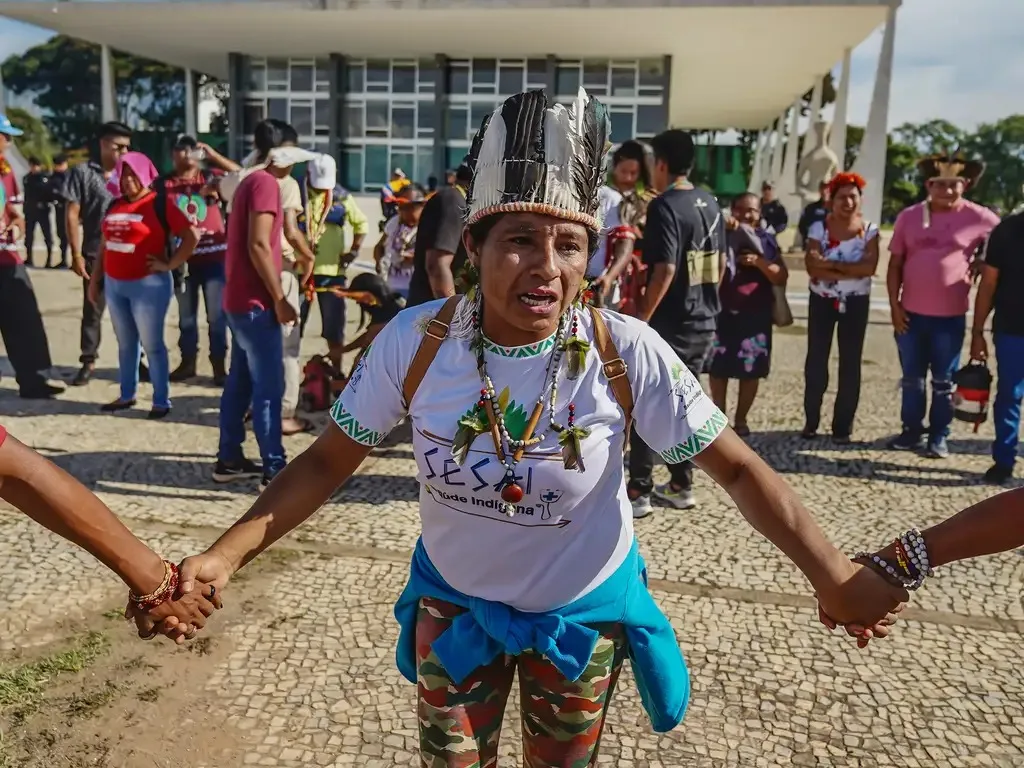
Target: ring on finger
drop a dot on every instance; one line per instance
(192, 632)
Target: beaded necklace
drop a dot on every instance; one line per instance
(488, 414)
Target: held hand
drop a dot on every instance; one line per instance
(749, 259)
(180, 618)
(210, 567)
(285, 312)
(863, 601)
(78, 267)
(95, 290)
(731, 223)
(900, 321)
(601, 286)
(979, 347)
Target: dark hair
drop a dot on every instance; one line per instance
(634, 150)
(272, 133)
(186, 142)
(481, 229)
(464, 173)
(60, 159)
(743, 195)
(33, 160)
(675, 148)
(374, 285)
(114, 128)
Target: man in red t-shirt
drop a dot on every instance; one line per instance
(256, 308)
(187, 188)
(21, 325)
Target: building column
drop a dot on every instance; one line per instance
(871, 157)
(666, 93)
(837, 140)
(813, 115)
(191, 124)
(767, 155)
(442, 103)
(337, 136)
(787, 181)
(108, 86)
(755, 167)
(236, 109)
(780, 142)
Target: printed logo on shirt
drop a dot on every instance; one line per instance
(357, 374)
(685, 387)
(193, 206)
(489, 506)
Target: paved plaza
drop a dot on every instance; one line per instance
(299, 670)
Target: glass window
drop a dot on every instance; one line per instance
(537, 73)
(426, 114)
(458, 78)
(622, 125)
(323, 75)
(403, 158)
(623, 82)
(257, 77)
(567, 79)
(353, 119)
(485, 73)
(428, 71)
(352, 168)
(354, 77)
(650, 119)
(378, 75)
(457, 122)
(253, 112)
(377, 119)
(278, 109)
(480, 110)
(652, 72)
(277, 74)
(425, 164)
(377, 172)
(453, 155)
(302, 77)
(510, 79)
(403, 78)
(302, 117)
(728, 159)
(595, 76)
(322, 108)
(403, 122)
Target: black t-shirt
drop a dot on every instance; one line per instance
(440, 228)
(685, 228)
(1005, 252)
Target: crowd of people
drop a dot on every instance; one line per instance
(498, 270)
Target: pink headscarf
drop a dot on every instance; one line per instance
(141, 166)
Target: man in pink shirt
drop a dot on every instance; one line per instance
(929, 280)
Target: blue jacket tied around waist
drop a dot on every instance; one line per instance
(564, 635)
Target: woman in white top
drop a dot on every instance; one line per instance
(521, 399)
(841, 257)
(394, 251)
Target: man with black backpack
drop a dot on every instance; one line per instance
(188, 187)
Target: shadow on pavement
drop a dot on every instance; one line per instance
(199, 410)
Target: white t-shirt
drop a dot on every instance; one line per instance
(398, 240)
(572, 529)
(848, 251)
(608, 201)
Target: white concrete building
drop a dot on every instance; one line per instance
(385, 83)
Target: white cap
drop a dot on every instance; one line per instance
(285, 157)
(322, 172)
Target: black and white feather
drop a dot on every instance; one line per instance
(532, 155)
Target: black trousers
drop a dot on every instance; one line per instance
(824, 319)
(693, 349)
(59, 212)
(22, 329)
(41, 219)
(92, 317)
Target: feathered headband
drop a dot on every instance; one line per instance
(846, 180)
(951, 166)
(531, 155)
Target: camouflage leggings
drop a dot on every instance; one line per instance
(562, 721)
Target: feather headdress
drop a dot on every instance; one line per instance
(951, 166)
(532, 155)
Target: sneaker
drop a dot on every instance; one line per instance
(642, 506)
(84, 375)
(998, 474)
(680, 499)
(245, 469)
(265, 481)
(907, 441)
(937, 449)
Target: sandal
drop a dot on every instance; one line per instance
(305, 425)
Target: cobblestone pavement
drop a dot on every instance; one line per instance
(310, 676)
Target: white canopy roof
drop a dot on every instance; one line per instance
(735, 63)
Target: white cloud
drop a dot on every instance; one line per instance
(960, 60)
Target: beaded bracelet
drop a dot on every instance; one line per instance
(885, 569)
(162, 593)
(917, 552)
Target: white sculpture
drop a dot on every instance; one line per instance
(818, 165)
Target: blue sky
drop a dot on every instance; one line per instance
(965, 69)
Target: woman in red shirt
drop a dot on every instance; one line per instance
(135, 275)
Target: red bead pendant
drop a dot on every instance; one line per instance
(513, 494)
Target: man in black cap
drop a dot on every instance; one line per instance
(37, 197)
(440, 255)
(772, 211)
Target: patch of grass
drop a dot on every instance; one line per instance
(114, 614)
(136, 663)
(88, 703)
(202, 646)
(22, 687)
(149, 695)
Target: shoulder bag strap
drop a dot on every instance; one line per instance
(614, 368)
(436, 333)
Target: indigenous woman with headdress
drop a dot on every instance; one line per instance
(528, 559)
(841, 256)
(630, 176)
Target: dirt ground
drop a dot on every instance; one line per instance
(101, 698)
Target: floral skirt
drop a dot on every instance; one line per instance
(742, 347)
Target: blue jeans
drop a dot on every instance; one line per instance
(332, 309)
(929, 344)
(210, 279)
(256, 376)
(138, 309)
(1009, 393)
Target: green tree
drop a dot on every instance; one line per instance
(1001, 146)
(932, 137)
(36, 140)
